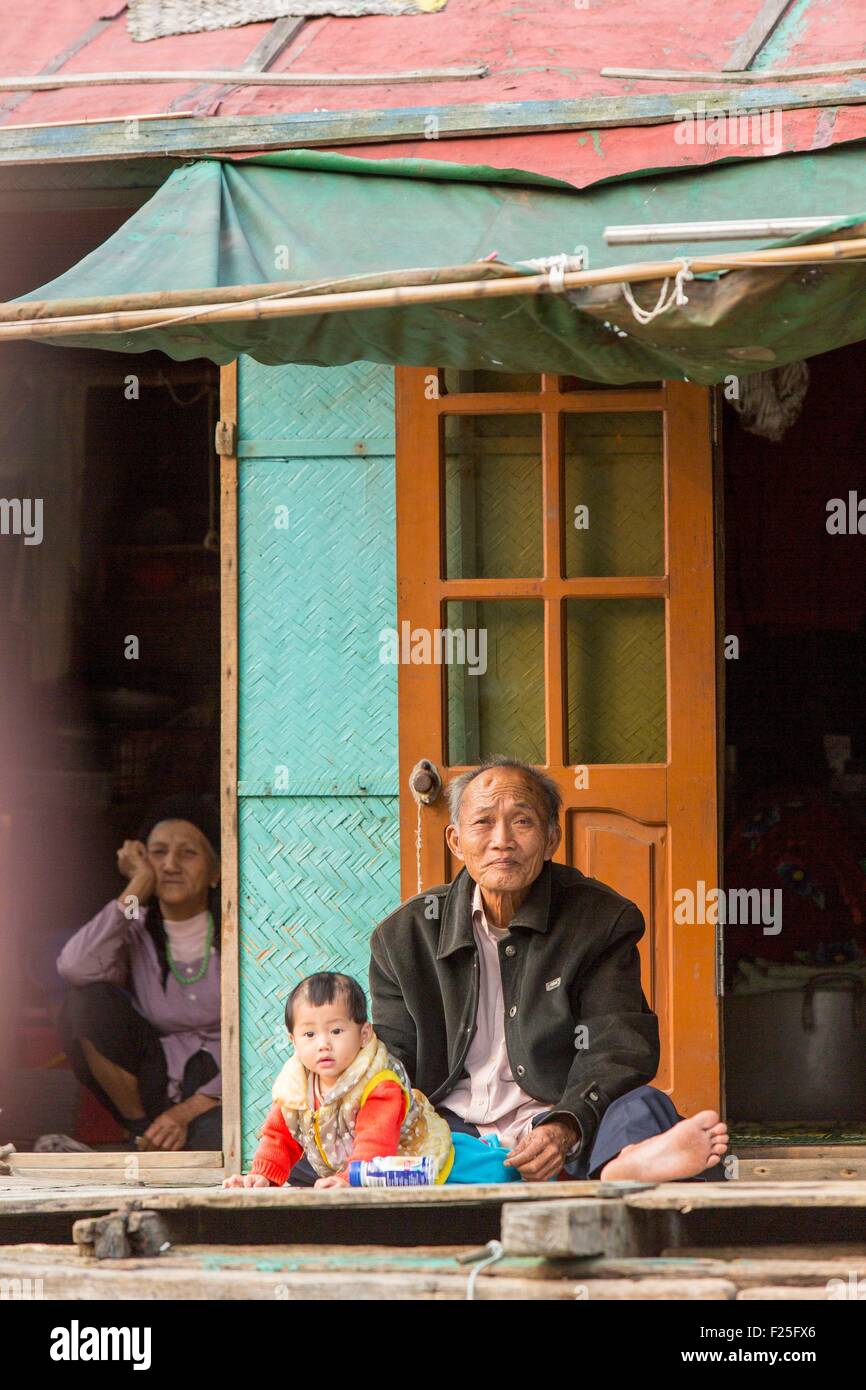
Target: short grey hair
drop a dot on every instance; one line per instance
(546, 787)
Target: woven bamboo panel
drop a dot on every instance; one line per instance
(317, 874)
(318, 584)
(318, 810)
(354, 403)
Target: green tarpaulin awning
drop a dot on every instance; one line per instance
(315, 217)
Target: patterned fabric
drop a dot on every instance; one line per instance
(327, 1134)
(812, 846)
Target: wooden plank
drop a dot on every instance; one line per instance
(379, 1259)
(820, 1251)
(844, 69)
(760, 29)
(191, 135)
(744, 1272)
(39, 1162)
(230, 949)
(837, 1152)
(781, 1293)
(796, 1170)
(155, 1280)
(50, 1180)
(731, 1195)
(18, 1197)
(557, 1229)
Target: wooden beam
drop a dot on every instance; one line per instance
(188, 136)
(559, 1230)
(844, 69)
(238, 77)
(760, 29)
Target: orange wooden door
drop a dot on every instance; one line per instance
(555, 545)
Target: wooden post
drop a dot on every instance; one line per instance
(230, 1010)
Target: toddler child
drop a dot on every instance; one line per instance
(342, 1096)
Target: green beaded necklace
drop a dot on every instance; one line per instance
(208, 941)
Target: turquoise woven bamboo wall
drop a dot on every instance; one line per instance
(318, 814)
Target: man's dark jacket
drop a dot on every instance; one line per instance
(570, 959)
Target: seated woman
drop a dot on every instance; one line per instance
(141, 1021)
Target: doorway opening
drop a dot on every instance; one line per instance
(110, 623)
(795, 766)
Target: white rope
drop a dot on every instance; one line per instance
(665, 301)
(494, 1252)
(556, 267)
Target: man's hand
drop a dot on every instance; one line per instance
(541, 1153)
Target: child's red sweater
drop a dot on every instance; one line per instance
(377, 1135)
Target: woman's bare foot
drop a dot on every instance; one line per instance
(680, 1152)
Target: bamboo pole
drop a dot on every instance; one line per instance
(404, 296)
(229, 294)
(756, 76)
(239, 78)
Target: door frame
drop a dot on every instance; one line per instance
(230, 1044)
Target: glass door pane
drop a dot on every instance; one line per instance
(613, 484)
(495, 694)
(492, 496)
(617, 708)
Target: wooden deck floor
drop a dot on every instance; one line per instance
(740, 1240)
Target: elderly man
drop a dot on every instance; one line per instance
(513, 997)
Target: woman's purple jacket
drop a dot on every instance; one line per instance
(113, 949)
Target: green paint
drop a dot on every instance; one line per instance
(596, 143)
(787, 33)
(352, 1261)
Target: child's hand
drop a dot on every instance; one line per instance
(330, 1182)
(246, 1180)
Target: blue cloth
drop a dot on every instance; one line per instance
(639, 1114)
(480, 1160)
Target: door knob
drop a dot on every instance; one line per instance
(425, 781)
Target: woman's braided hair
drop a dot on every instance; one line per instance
(203, 815)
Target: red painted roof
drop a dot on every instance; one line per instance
(534, 49)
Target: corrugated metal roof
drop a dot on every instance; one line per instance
(534, 50)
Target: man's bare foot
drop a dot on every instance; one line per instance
(680, 1152)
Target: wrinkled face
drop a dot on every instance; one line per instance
(184, 863)
(326, 1039)
(502, 834)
